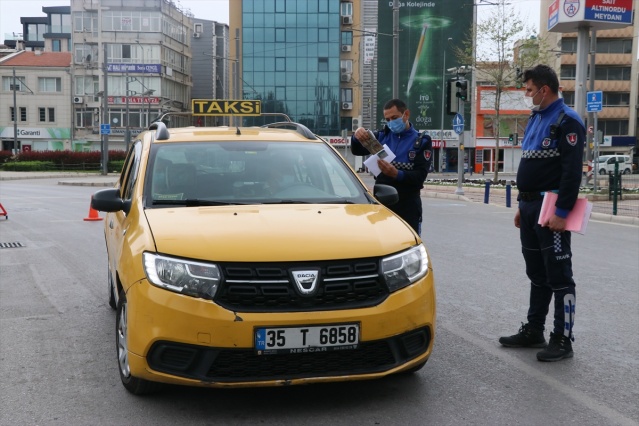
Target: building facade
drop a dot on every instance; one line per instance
(142, 50)
(616, 74)
(36, 94)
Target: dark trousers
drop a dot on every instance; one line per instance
(409, 208)
(549, 267)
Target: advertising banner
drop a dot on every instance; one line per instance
(425, 27)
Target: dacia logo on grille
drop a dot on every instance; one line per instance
(306, 281)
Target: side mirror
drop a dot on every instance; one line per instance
(385, 194)
(108, 200)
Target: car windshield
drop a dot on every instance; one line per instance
(220, 173)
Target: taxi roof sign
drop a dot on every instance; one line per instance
(225, 107)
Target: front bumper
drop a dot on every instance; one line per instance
(183, 340)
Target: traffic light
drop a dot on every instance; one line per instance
(462, 89)
(516, 139)
(511, 138)
(451, 101)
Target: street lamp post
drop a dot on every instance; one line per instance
(441, 135)
(127, 133)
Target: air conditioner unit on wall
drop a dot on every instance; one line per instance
(346, 48)
(78, 100)
(345, 77)
(196, 35)
(347, 105)
(357, 122)
(347, 20)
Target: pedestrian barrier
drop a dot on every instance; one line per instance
(93, 214)
(3, 212)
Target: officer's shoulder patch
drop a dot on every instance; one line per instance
(427, 154)
(571, 138)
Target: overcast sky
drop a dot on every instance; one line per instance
(214, 10)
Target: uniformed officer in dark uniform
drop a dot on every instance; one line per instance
(552, 153)
(408, 171)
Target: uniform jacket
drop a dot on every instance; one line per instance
(413, 157)
(553, 162)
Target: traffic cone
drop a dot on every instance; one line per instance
(3, 212)
(93, 214)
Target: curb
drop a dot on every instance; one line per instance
(70, 183)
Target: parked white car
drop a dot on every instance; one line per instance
(606, 164)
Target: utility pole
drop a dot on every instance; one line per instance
(127, 132)
(15, 112)
(395, 48)
(105, 114)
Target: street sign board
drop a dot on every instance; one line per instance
(105, 129)
(458, 123)
(594, 101)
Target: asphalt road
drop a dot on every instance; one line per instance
(57, 346)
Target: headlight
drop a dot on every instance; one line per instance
(191, 278)
(403, 269)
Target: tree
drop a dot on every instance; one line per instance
(504, 49)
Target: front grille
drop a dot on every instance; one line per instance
(236, 365)
(271, 288)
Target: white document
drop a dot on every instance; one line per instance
(371, 162)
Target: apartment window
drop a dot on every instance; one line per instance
(85, 22)
(86, 53)
(9, 85)
(199, 28)
(347, 38)
(616, 99)
(322, 64)
(84, 118)
(614, 45)
(613, 127)
(49, 84)
(612, 73)
(347, 95)
(86, 85)
(23, 114)
(346, 9)
(56, 46)
(569, 44)
(46, 114)
(569, 98)
(568, 72)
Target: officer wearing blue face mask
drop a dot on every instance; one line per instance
(408, 171)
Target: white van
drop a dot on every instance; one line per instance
(606, 164)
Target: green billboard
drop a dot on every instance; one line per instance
(425, 28)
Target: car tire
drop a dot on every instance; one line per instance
(602, 171)
(133, 384)
(627, 171)
(112, 302)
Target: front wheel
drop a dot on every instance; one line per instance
(627, 171)
(602, 171)
(133, 384)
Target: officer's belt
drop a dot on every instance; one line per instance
(530, 196)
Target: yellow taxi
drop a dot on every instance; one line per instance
(255, 256)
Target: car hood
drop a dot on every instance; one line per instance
(278, 232)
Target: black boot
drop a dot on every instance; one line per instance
(526, 338)
(559, 347)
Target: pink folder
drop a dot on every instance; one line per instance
(577, 219)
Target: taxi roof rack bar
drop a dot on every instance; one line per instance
(299, 128)
(161, 132)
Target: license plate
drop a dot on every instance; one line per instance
(310, 339)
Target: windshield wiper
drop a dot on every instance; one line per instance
(195, 202)
(287, 202)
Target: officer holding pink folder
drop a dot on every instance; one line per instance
(552, 153)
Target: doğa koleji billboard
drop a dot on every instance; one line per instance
(425, 27)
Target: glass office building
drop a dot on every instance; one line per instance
(291, 59)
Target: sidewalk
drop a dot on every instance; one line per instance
(68, 178)
(471, 194)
